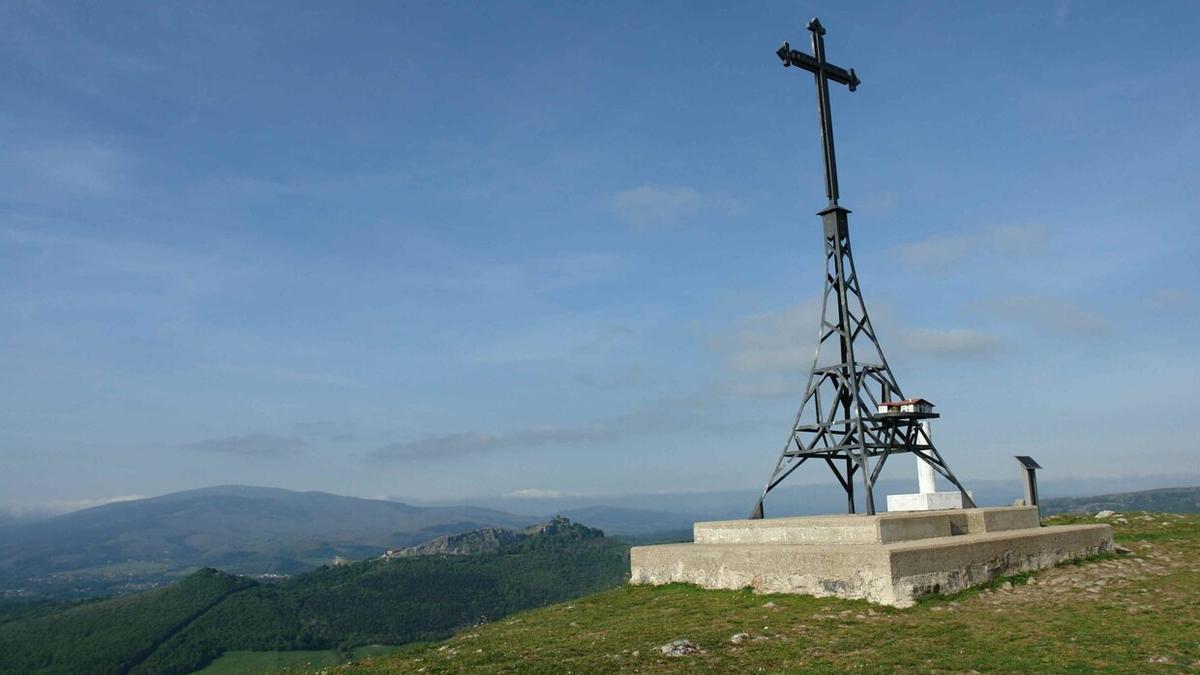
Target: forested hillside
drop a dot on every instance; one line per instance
(384, 601)
(1170, 500)
(109, 636)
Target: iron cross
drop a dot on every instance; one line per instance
(822, 72)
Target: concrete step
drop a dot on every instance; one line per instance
(890, 573)
(851, 529)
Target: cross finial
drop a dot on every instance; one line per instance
(823, 72)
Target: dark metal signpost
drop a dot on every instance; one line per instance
(839, 422)
(1029, 469)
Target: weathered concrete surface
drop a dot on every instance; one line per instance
(885, 558)
(954, 563)
(884, 528)
(925, 501)
(848, 529)
(767, 568)
(1001, 518)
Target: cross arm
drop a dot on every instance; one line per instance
(793, 57)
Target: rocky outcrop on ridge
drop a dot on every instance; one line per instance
(493, 539)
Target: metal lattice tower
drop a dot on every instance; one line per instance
(839, 423)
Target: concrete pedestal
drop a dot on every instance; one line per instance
(891, 558)
(925, 501)
(927, 498)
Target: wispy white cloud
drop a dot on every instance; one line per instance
(576, 337)
(1062, 11)
(879, 204)
(44, 37)
(1171, 298)
(771, 385)
(85, 168)
(54, 507)
(58, 274)
(935, 253)
(52, 171)
(443, 268)
(449, 446)
(666, 416)
(334, 431)
(610, 376)
(267, 446)
(770, 354)
(1016, 239)
(955, 343)
(538, 493)
(648, 206)
(941, 253)
(570, 270)
(84, 255)
(775, 341)
(1059, 315)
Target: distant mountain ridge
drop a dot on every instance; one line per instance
(637, 513)
(1166, 500)
(242, 529)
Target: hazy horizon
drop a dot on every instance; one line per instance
(997, 491)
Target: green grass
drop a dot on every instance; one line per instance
(255, 663)
(369, 651)
(1134, 613)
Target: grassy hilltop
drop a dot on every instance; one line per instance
(1137, 612)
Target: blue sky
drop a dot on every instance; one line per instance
(445, 250)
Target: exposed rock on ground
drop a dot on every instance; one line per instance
(680, 648)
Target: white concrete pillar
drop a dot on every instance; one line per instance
(925, 474)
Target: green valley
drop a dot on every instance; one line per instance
(186, 626)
